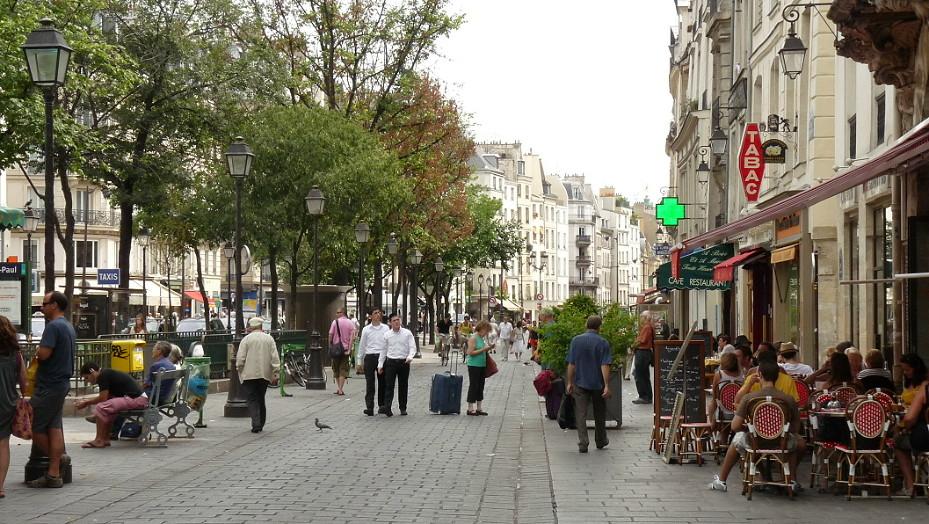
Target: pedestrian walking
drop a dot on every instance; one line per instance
(506, 337)
(53, 381)
(372, 345)
(12, 372)
(589, 360)
(644, 344)
(258, 364)
(394, 364)
(477, 367)
(341, 333)
(519, 340)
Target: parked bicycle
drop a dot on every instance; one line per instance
(296, 361)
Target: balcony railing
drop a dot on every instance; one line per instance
(584, 282)
(583, 240)
(109, 218)
(583, 260)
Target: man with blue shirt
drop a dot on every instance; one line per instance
(161, 363)
(53, 381)
(589, 360)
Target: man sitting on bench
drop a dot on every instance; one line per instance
(118, 392)
(160, 353)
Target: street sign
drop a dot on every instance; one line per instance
(539, 296)
(751, 162)
(492, 301)
(670, 211)
(662, 249)
(108, 276)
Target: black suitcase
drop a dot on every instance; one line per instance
(445, 393)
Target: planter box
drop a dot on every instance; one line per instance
(614, 404)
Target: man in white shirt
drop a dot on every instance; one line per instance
(506, 337)
(258, 365)
(372, 346)
(394, 364)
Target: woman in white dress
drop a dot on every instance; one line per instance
(518, 337)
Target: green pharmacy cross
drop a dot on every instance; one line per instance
(670, 211)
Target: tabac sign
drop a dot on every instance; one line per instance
(751, 162)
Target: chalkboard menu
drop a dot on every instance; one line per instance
(688, 379)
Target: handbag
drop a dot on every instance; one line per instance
(566, 418)
(491, 368)
(337, 350)
(22, 420)
(31, 372)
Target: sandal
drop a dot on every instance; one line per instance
(94, 445)
(472, 413)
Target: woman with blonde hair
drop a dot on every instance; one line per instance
(477, 367)
(643, 358)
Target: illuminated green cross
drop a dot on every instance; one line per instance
(670, 211)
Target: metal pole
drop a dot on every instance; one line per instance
(144, 279)
(229, 295)
(359, 300)
(414, 308)
(261, 287)
(51, 93)
(316, 380)
(239, 318)
(28, 320)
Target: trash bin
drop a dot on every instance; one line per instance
(128, 355)
(198, 384)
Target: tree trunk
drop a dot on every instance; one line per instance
(67, 239)
(202, 287)
(125, 241)
(292, 303)
(377, 286)
(272, 261)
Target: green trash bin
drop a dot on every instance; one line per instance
(198, 384)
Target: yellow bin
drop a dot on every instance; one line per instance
(128, 355)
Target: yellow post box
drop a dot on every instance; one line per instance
(128, 355)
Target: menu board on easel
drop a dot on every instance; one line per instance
(688, 379)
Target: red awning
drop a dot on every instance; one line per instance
(640, 299)
(198, 296)
(723, 272)
(910, 147)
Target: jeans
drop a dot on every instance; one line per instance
(643, 372)
(396, 370)
(371, 376)
(255, 397)
(583, 398)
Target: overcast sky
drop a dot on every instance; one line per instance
(584, 84)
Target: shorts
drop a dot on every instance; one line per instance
(740, 441)
(340, 367)
(47, 408)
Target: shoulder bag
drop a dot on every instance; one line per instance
(337, 350)
(491, 369)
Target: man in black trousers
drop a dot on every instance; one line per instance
(394, 364)
(372, 345)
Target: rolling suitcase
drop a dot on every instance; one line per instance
(553, 399)
(445, 394)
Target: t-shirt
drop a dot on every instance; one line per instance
(443, 326)
(796, 368)
(166, 387)
(785, 383)
(506, 331)
(56, 370)
(589, 351)
(118, 384)
(793, 414)
(479, 361)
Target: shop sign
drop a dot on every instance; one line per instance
(662, 249)
(787, 227)
(775, 151)
(751, 162)
(696, 270)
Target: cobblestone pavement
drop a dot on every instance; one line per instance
(511, 466)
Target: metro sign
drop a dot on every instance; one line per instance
(751, 162)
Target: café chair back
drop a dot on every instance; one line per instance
(767, 440)
(868, 423)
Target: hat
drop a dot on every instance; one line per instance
(788, 347)
(255, 322)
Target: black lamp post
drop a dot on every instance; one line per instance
(458, 302)
(439, 270)
(392, 248)
(480, 295)
(414, 261)
(229, 252)
(703, 167)
(362, 235)
(239, 159)
(144, 239)
(794, 52)
(47, 57)
(315, 205)
(30, 225)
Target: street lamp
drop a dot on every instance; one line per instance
(793, 54)
(480, 295)
(229, 252)
(30, 225)
(718, 142)
(362, 235)
(239, 159)
(315, 205)
(144, 238)
(703, 167)
(392, 248)
(415, 258)
(439, 269)
(458, 273)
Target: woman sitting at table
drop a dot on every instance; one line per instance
(835, 429)
(874, 375)
(728, 372)
(915, 376)
(913, 435)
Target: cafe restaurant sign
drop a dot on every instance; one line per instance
(696, 270)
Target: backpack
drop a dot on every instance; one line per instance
(543, 382)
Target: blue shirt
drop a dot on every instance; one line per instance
(162, 364)
(55, 371)
(588, 352)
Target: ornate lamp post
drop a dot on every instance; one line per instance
(315, 205)
(47, 57)
(362, 235)
(144, 238)
(229, 252)
(29, 226)
(543, 262)
(439, 270)
(239, 159)
(414, 261)
(392, 248)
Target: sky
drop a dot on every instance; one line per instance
(584, 84)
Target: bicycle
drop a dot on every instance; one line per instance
(443, 348)
(297, 364)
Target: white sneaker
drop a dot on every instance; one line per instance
(717, 485)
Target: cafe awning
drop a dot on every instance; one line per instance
(198, 296)
(11, 217)
(724, 271)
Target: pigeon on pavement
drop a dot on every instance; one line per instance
(322, 426)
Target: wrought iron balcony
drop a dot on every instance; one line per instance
(583, 240)
(584, 282)
(108, 218)
(582, 260)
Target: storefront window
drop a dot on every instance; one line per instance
(882, 314)
(851, 239)
(793, 302)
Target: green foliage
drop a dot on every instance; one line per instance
(618, 328)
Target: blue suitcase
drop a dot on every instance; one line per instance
(445, 394)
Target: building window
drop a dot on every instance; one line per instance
(520, 167)
(84, 204)
(85, 253)
(851, 243)
(882, 314)
(879, 118)
(32, 195)
(852, 137)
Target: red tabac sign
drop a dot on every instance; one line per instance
(751, 162)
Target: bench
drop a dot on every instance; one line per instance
(176, 408)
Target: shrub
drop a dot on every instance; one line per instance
(619, 329)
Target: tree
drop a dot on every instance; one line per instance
(618, 328)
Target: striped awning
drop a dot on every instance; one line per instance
(11, 217)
